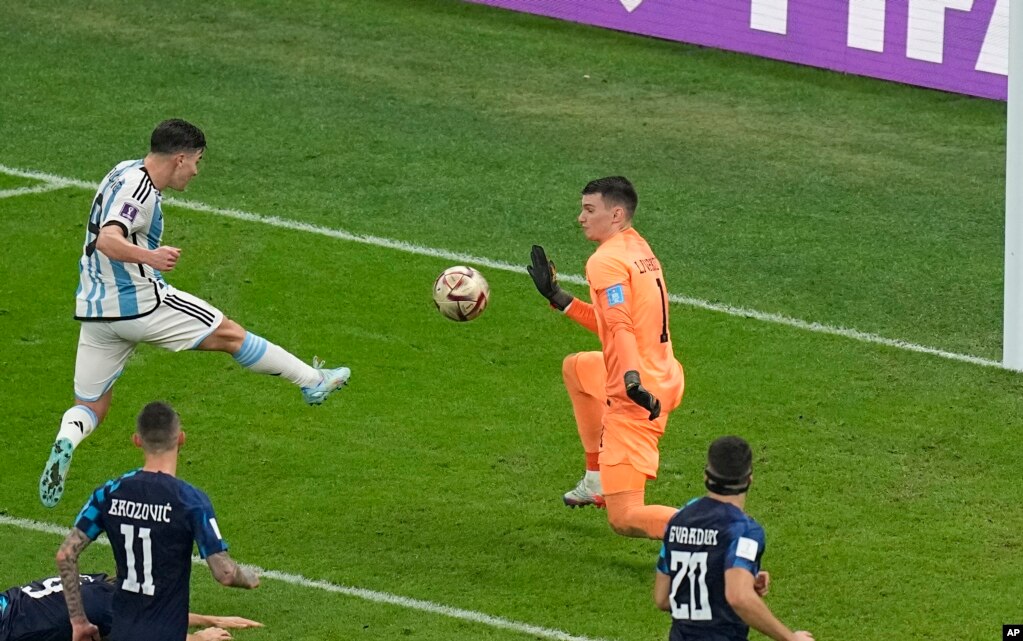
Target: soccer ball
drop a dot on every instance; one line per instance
(461, 293)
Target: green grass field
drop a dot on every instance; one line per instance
(887, 480)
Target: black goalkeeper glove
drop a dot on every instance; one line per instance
(640, 396)
(545, 277)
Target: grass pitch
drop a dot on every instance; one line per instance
(886, 480)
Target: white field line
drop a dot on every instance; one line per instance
(35, 189)
(458, 257)
(368, 595)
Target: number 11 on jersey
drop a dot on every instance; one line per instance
(131, 582)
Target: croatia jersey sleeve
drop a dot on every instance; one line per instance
(204, 523)
(746, 547)
(662, 561)
(90, 519)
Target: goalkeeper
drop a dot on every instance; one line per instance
(622, 395)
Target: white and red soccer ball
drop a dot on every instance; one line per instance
(461, 293)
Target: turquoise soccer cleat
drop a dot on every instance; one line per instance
(51, 484)
(333, 380)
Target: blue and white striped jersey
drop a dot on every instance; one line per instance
(110, 289)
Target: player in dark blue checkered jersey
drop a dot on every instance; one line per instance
(708, 574)
(37, 612)
(151, 519)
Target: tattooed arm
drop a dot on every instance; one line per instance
(227, 572)
(67, 563)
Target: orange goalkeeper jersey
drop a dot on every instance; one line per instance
(630, 306)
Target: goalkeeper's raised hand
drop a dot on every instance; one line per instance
(545, 277)
(639, 394)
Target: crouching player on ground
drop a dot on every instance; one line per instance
(38, 612)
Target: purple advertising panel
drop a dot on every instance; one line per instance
(954, 45)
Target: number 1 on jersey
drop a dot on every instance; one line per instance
(664, 312)
(131, 582)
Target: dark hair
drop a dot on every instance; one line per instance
(729, 465)
(158, 426)
(616, 190)
(176, 135)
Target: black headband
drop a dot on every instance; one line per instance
(727, 487)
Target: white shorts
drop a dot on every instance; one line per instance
(180, 322)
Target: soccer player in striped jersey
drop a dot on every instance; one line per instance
(123, 299)
(708, 573)
(37, 612)
(623, 394)
(151, 519)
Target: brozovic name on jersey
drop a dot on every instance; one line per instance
(140, 511)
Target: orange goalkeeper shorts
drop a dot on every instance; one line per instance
(633, 442)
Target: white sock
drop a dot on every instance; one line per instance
(77, 423)
(593, 476)
(260, 355)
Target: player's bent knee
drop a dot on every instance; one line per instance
(625, 508)
(616, 526)
(99, 407)
(568, 371)
(228, 337)
(617, 515)
(228, 329)
(620, 523)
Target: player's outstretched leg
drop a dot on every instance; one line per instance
(259, 355)
(77, 423)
